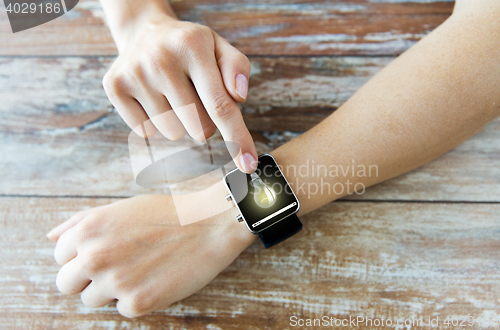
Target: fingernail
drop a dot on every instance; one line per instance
(241, 85)
(247, 161)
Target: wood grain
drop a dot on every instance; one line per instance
(391, 260)
(352, 27)
(399, 251)
(60, 136)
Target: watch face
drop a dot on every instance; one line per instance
(263, 197)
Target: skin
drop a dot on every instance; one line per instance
(165, 64)
(427, 101)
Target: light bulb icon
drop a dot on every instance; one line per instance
(264, 195)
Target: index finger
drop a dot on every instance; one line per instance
(224, 111)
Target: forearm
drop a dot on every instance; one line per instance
(433, 97)
(430, 99)
(124, 16)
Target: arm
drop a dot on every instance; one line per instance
(430, 99)
(165, 64)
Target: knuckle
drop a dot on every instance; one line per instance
(141, 302)
(118, 281)
(88, 301)
(243, 59)
(136, 304)
(93, 260)
(60, 283)
(85, 300)
(192, 38)
(153, 54)
(135, 73)
(80, 214)
(114, 84)
(63, 282)
(157, 61)
(222, 106)
(60, 247)
(88, 228)
(121, 282)
(124, 309)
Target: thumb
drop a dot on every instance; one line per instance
(234, 67)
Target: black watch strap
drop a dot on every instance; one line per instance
(280, 231)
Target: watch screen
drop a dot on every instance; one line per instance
(263, 197)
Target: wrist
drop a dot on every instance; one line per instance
(238, 235)
(209, 207)
(131, 20)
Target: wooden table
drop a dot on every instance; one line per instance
(425, 244)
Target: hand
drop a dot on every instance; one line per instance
(135, 251)
(165, 64)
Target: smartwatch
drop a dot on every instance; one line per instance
(265, 200)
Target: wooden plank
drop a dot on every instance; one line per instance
(391, 260)
(352, 27)
(294, 94)
(58, 136)
(286, 94)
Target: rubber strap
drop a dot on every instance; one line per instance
(280, 231)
